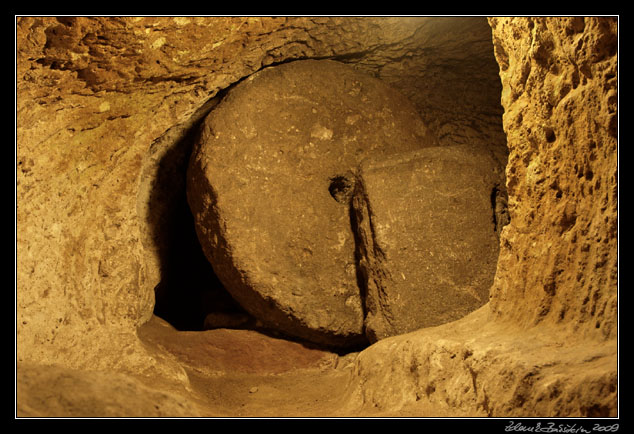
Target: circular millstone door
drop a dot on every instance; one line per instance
(269, 184)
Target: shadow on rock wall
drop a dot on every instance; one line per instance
(189, 289)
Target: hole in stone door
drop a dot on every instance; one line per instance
(341, 187)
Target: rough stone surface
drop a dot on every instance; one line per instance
(559, 255)
(482, 368)
(222, 350)
(446, 68)
(426, 233)
(54, 391)
(267, 185)
(102, 104)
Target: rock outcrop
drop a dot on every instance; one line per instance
(559, 256)
(479, 367)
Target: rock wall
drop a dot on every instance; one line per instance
(559, 255)
(103, 103)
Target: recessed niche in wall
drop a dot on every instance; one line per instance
(190, 296)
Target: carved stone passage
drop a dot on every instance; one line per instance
(426, 226)
(269, 186)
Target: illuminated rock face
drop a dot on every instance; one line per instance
(103, 106)
(560, 253)
(267, 187)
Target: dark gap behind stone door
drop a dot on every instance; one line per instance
(189, 289)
